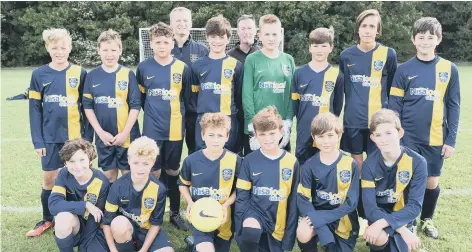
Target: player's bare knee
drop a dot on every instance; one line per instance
(172, 172)
(165, 249)
(432, 183)
(205, 247)
(65, 224)
(121, 229)
(251, 223)
(381, 239)
(123, 172)
(156, 174)
(48, 179)
(359, 158)
(305, 232)
(111, 175)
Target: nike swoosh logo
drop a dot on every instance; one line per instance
(412, 77)
(124, 200)
(203, 73)
(47, 83)
(302, 86)
(148, 78)
(196, 174)
(96, 85)
(260, 71)
(206, 216)
(350, 65)
(377, 179)
(256, 174)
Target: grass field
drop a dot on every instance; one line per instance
(21, 178)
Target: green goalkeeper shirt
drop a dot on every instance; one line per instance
(267, 81)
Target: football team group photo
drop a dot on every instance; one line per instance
(220, 140)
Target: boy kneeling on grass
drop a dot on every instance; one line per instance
(328, 192)
(393, 186)
(78, 198)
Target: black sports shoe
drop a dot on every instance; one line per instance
(178, 222)
(190, 241)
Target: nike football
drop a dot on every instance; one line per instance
(206, 214)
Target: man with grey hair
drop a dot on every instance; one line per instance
(246, 34)
(187, 50)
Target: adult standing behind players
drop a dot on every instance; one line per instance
(187, 50)
(245, 46)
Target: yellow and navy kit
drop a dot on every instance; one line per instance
(69, 196)
(144, 208)
(165, 91)
(212, 178)
(268, 189)
(218, 85)
(427, 97)
(55, 105)
(112, 96)
(367, 80)
(394, 193)
(314, 93)
(328, 194)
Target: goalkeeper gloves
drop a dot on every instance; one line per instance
(286, 137)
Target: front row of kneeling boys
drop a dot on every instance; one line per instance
(275, 200)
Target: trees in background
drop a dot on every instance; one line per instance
(22, 24)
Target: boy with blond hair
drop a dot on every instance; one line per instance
(328, 192)
(266, 213)
(165, 84)
(218, 81)
(55, 113)
(78, 199)
(134, 210)
(268, 75)
(216, 168)
(317, 88)
(393, 185)
(112, 102)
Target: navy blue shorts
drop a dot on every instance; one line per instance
(161, 240)
(267, 243)
(52, 161)
(90, 237)
(111, 157)
(232, 143)
(342, 244)
(303, 153)
(357, 141)
(432, 154)
(170, 153)
(220, 244)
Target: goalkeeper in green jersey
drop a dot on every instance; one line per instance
(267, 81)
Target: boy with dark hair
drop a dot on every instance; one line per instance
(428, 84)
(393, 184)
(112, 102)
(135, 206)
(55, 113)
(266, 213)
(328, 192)
(218, 81)
(317, 88)
(78, 199)
(165, 84)
(212, 172)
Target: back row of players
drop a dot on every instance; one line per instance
(175, 94)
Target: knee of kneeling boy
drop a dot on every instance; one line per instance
(121, 229)
(64, 224)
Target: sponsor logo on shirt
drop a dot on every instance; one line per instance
(64, 101)
(429, 94)
(217, 88)
(316, 101)
(333, 198)
(274, 194)
(166, 94)
(277, 88)
(214, 193)
(110, 101)
(365, 80)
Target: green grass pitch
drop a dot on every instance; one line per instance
(21, 178)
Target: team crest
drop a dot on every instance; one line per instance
(194, 57)
(404, 177)
(378, 65)
(73, 82)
(148, 203)
(122, 84)
(443, 76)
(92, 198)
(227, 174)
(286, 174)
(345, 176)
(176, 78)
(329, 86)
(286, 70)
(228, 73)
